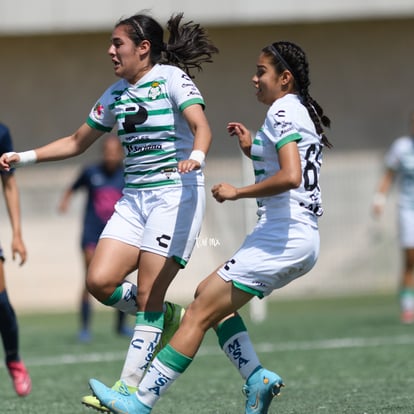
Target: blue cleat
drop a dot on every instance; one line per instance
(92, 402)
(260, 388)
(84, 336)
(121, 401)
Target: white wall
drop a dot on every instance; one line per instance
(52, 16)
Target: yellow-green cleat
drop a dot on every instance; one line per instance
(172, 318)
(92, 402)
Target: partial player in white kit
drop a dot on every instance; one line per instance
(281, 217)
(159, 116)
(399, 165)
(284, 245)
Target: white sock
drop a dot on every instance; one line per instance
(142, 346)
(160, 376)
(239, 349)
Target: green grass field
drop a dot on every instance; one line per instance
(343, 355)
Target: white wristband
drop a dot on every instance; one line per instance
(199, 156)
(26, 158)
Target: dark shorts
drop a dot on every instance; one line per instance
(90, 235)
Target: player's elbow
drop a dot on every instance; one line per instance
(293, 180)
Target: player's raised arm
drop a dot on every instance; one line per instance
(59, 149)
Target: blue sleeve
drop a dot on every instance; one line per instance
(82, 180)
(6, 144)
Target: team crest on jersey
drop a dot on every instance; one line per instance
(98, 110)
(154, 91)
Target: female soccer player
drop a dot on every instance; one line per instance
(9, 329)
(284, 245)
(158, 112)
(399, 163)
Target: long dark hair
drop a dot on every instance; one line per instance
(188, 46)
(288, 56)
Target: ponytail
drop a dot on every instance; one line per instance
(288, 56)
(188, 46)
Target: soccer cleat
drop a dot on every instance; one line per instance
(407, 317)
(121, 401)
(84, 336)
(260, 389)
(172, 319)
(92, 402)
(20, 377)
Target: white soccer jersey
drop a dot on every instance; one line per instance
(288, 120)
(151, 127)
(400, 158)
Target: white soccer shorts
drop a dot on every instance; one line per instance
(165, 221)
(275, 253)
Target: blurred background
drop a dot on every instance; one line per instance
(54, 66)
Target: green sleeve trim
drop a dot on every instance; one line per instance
(173, 359)
(155, 319)
(248, 289)
(97, 126)
(114, 298)
(194, 101)
(294, 137)
(229, 328)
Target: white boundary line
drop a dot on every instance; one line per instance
(338, 343)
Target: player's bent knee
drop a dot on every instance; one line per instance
(99, 289)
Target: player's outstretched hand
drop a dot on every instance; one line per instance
(244, 135)
(7, 160)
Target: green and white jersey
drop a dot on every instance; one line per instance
(400, 158)
(151, 127)
(288, 120)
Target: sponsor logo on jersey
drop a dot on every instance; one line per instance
(281, 125)
(194, 92)
(136, 149)
(169, 171)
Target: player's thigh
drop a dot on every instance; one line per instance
(112, 261)
(156, 272)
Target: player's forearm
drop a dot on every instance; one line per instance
(12, 199)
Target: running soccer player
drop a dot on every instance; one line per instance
(159, 115)
(284, 245)
(399, 163)
(9, 329)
